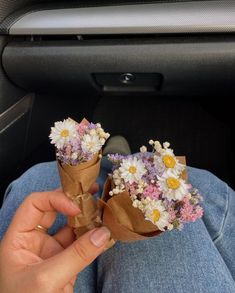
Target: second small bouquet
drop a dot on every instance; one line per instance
(148, 193)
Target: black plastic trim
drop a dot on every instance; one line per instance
(188, 65)
(15, 112)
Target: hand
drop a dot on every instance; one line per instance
(33, 261)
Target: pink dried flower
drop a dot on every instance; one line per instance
(172, 214)
(189, 186)
(81, 128)
(198, 212)
(132, 188)
(152, 191)
(189, 212)
(68, 150)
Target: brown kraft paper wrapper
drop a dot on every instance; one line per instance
(125, 222)
(76, 182)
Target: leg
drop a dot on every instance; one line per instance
(176, 262)
(156, 257)
(40, 177)
(187, 261)
(219, 213)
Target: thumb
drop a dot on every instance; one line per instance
(61, 268)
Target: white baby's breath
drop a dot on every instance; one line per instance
(166, 145)
(143, 149)
(102, 141)
(74, 156)
(157, 146)
(170, 227)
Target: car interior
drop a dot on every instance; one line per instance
(161, 70)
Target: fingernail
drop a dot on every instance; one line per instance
(100, 236)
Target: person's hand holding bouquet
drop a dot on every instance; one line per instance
(31, 260)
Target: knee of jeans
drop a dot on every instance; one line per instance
(16, 191)
(40, 177)
(40, 169)
(43, 176)
(204, 180)
(215, 199)
(8, 190)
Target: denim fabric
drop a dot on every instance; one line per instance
(201, 258)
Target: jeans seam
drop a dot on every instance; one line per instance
(8, 190)
(220, 233)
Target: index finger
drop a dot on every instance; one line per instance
(34, 207)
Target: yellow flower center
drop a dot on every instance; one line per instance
(155, 215)
(64, 133)
(169, 161)
(172, 183)
(132, 169)
(90, 145)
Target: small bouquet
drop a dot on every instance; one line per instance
(147, 193)
(78, 154)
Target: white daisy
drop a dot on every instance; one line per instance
(173, 187)
(132, 170)
(62, 132)
(91, 144)
(168, 161)
(156, 213)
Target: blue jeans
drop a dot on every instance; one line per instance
(201, 258)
